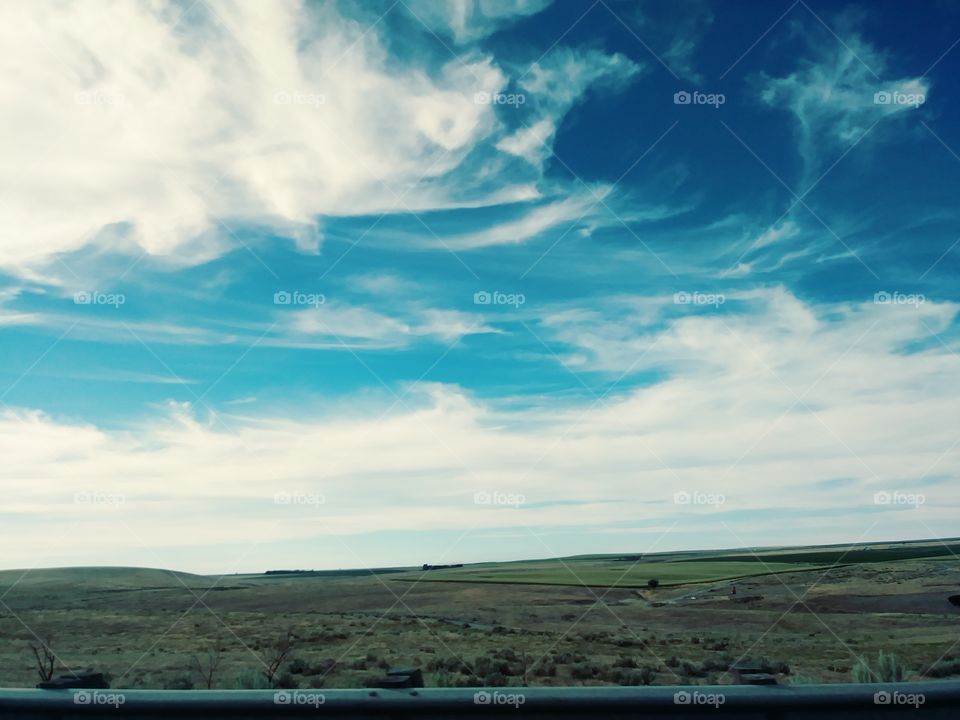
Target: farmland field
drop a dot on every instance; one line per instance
(597, 573)
(588, 620)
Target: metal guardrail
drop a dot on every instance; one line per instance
(822, 702)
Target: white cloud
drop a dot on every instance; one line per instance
(532, 143)
(128, 376)
(726, 419)
(361, 326)
(350, 323)
(560, 79)
(684, 23)
(532, 222)
(833, 98)
(772, 235)
(385, 284)
(157, 128)
(449, 325)
(553, 85)
(767, 331)
(169, 134)
(468, 20)
(332, 324)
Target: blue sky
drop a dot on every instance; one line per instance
(330, 285)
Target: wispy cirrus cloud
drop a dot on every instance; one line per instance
(839, 92)
(305, 115)
(532, 221)
(356, 326)
(394, 317)
(685, 23)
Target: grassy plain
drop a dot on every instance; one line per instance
(592, 620)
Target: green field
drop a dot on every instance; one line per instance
(847, 555)
(612, 573)
(683, 568)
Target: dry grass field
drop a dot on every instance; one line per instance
(580, 621)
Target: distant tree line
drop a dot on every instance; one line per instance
(440, 567)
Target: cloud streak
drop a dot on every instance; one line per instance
(768, 414)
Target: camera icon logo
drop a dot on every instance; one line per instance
(82, 298)
(882, 698)
(682, 698)
(682, 97)
(882, 98)
(882, 498)
(481, 98)
(282, 297)
(481, 698)
(482, 298)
